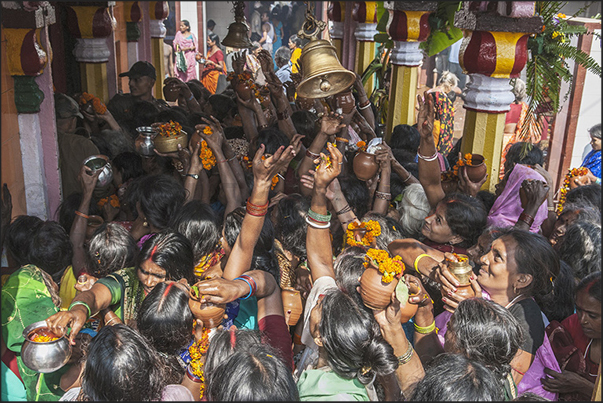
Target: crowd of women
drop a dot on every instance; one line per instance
(265, 198)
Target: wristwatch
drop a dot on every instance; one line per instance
(194, 176)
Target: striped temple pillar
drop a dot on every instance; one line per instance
(336, 14)
(158, 11)
(132, 15)
(28, 61)
(91, 25)
(407, 26)
(494, 49)
(366, 14)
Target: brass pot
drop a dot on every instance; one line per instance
(462, 271)
(170, 144)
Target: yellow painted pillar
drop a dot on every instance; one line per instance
(94, 79)
(336, 14)
(407, 28)
(158, 11)
(365, 12)
(491, 56)
(402, 99)
(483, 133)
(91, 27)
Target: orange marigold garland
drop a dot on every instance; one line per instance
(113, 200)
(573, 172)
(208, 159)
(466, 160)
(169, 129)
(380, 259)
(197, 352)
(361, 145)
(97, 105)
(372, 228)
(275, 180)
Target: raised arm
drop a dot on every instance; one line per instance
(257, 207)
(429, 167)
(318, 237)
(77, 235)
(229, 183)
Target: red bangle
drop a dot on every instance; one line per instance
(317, 221)
(254, 285)
(312, 155)
(81, 214)
(249, 203)
(192, 377)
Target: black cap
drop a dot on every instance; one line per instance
(141, 69)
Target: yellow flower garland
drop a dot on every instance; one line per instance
(566, 185)
(197, 350)
(208, 158)
(389, 267)
(372, 228)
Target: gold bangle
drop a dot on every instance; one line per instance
(404, 359)
(421, 256)
(426, 329)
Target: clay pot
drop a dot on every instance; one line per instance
(292, 302)
(244, 90)
(365, 165)
(94, 221)
(345, 100)
(171, 92)
(409, 310)
(210, 314)
(374, 292)
(477, 170)
(462, 271)
(449, 186)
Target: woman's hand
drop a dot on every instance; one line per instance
(363, 125)
(389, 319)
(426, 116)
(218, 290)
(533, 193)
(384, 157)
(466, 185)
(264, 168)
(565, 382)
(296, 142)
(326, 171)
(214, 140)
(74, 319)
(238, 62)
(88, 180)
(266, 62)
(330, 123)
(253, 104)
(421, 296)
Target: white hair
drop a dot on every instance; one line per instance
(413, 209)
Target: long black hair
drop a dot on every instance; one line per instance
(172, 252)
(354, 345)
(466, 216)
(122, 365)
(198, 222)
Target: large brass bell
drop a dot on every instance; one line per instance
(323, 75)
(238, 31)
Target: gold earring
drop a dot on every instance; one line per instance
(145, 223)
(514, 290)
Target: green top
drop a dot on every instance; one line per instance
(323, 384)
(126, 293)
(248, 314)
(25, 300)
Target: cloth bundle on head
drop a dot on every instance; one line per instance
(66, 107)
(507, 207)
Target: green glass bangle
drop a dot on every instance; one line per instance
(319, 217)
(74, 303)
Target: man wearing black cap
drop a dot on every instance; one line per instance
(142, 77)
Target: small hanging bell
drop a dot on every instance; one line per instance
(238, 31)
